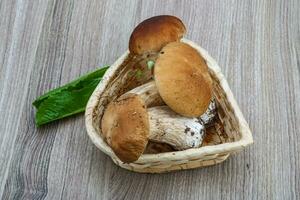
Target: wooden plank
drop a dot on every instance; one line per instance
(44, 44)
(20, 30)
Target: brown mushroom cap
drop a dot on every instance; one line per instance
(182, 79)
(154, 33)
(125, 125)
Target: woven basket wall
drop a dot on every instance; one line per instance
(230, 132)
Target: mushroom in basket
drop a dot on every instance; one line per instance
(127, 126)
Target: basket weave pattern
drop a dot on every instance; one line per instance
(234, 133)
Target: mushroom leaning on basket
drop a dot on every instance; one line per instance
(154, 33)
(182, 81)
(151, 97)
(151, 35)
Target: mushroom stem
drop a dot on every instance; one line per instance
(208, 117)
(180, 132)
(149, 93)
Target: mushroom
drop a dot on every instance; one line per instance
(149, 37)
(127, 126)
(149, 93)
(182, 79)
(154, 33)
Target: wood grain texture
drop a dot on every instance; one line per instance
(46, 43)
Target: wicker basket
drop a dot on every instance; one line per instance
(231, 133)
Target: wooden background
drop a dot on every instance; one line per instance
(47, 43)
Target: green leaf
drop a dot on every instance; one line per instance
(150, 64)
(139, 73)
(67, 100)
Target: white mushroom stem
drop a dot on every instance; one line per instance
(180, 132)
(148, 93)
(208, 117)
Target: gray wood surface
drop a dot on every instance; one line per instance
(46, 43)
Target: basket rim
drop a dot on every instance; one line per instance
(244, 130)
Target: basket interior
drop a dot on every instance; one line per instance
(223, 130)
(225, 126)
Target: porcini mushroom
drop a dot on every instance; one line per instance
(149, 37)
(127, 126)
(182, 79)
(154, 33)
(149, 93)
